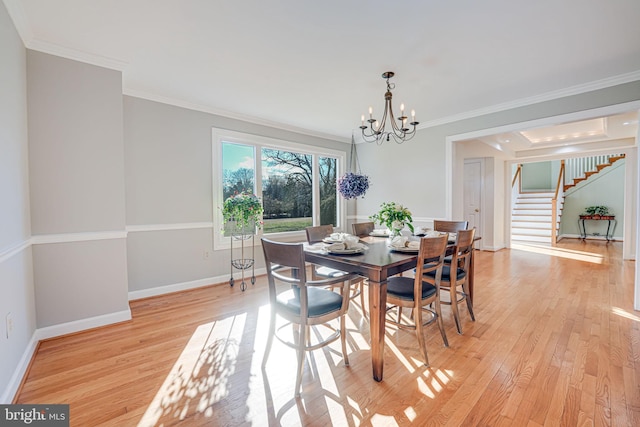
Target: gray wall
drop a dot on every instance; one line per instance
(169, 202)
(16, 278)
(76, 164)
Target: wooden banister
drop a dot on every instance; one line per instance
(554, 205)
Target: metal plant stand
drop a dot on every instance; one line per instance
(242, 235)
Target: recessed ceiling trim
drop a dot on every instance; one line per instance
(229, 114)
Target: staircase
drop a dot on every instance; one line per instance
(584, 170)
(531, 214)
(531, 218)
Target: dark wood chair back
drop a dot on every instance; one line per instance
(450, 226)
(316, 233)
(362, 229)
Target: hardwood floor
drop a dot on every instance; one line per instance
(556, 342)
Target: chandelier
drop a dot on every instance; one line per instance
(378, 132)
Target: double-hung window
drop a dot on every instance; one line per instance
(296, 182)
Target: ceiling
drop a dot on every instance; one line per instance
(595, 134)
(316, 66)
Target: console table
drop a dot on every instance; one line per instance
(611, 220)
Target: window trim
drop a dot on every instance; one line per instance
(219, 136)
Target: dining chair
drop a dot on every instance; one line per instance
(455, 276)
(362, 229)
(449, 226)
(316, 234)
(418, 294)
(303, 304)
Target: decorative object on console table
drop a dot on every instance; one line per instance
(353, 184)
(597, 213)
(242, 214)
(394, 216)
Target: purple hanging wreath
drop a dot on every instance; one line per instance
(353, 185)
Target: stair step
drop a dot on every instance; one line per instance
(540, 218)
(538, 239)
(531, 232)
(529, 200)
(530, 224)
(549, 193)
(532, 205)
(532, 212)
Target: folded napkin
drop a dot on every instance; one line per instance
(341, 246)
(413, 244)
(399, 242)
(316, 247)
(339, 237)
(434, 234)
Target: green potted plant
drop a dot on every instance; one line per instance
(242, 213)
(596, 212)
(394, 216)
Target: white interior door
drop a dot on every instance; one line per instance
(473, 185)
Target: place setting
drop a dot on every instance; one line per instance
(343, 244)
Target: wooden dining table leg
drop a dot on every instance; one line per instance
(377, 313)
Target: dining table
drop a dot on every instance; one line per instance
(377, 263)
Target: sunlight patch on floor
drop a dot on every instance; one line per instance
(624, 313)
(204, 372)
(560, 252)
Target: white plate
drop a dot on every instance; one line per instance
(378, 234)
(405, 249)
(345, 251)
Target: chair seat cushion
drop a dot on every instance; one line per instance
(329, 272)
(402, 288)
(446, 271)
(321, 301)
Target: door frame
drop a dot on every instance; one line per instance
(480, 226)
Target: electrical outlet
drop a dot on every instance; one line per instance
(9, 324)
(205, 254)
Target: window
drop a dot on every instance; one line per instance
(297, 183)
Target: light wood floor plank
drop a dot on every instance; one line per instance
(556, 342)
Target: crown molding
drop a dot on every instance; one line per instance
(548, 96)
(19, 18)
(229, 114)
(18, 15)
(76, 55)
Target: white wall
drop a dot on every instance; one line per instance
(425, 173)
(16, 277)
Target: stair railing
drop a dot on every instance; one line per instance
(515, 190)
(578, 167)
(555, 210)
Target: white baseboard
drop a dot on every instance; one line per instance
(176, 287)
(20, 371)
(11, 388)
(82, 324)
